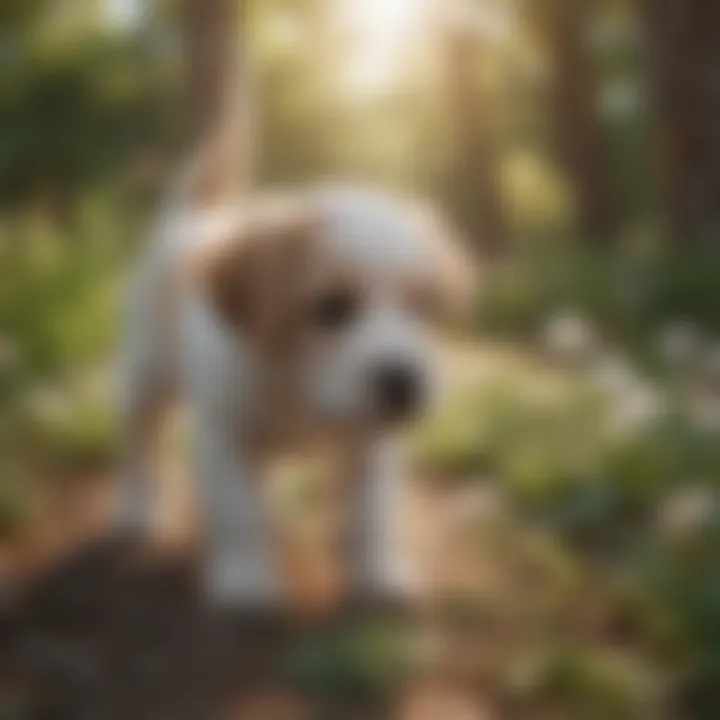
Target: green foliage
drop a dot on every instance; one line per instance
(15, 16)
(629, 293)
(59, 293)
(610, 496)
(599, 686)
(632, 506)
(358, 659)
(80, 112)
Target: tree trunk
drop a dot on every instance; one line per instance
(478, 183)
(578, 131)
(683, 40)
(217, 77)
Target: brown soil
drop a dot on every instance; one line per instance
(111, 629)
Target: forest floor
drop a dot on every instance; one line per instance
(98, 628)
(110, 629)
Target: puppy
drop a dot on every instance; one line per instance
(286, 324)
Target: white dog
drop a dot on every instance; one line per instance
(284, 323)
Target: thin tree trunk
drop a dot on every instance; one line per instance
(683, 40)
(578, 131)
(217, 75)
(478, 164)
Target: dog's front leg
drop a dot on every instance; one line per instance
(241, 567)
(380, 566)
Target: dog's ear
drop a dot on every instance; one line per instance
(455, 271)
(249, 277)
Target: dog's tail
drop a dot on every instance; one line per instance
(221, 164)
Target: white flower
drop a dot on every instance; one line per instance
(634, 402)
(569, 336)
(614, 375)
(705, 411)
(687, 510)
(636, 410)
(620, 99)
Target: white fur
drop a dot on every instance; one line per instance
(178, 348)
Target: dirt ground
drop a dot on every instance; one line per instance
(106, 629)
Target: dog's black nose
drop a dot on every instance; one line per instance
(397, 391)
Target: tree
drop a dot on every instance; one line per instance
(577, 127)
(217, 76)
(683, 41)
(15, 16)
(478, 185)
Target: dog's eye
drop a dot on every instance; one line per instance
(334, 310)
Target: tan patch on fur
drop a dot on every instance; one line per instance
(257, 281)
(255, 277)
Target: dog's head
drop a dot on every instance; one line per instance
(342, 290)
